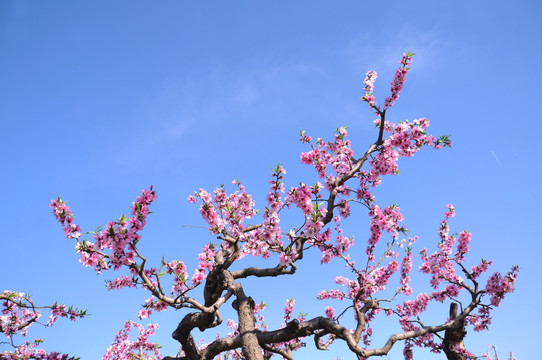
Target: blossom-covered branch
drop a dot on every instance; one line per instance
(18, 313)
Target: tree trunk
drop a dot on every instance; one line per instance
(453, 337)
(247, 329)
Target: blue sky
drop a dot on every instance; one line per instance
(101, 99)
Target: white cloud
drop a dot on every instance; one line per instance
(204, 101)
(363, 52)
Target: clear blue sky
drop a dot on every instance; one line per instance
(100, 99)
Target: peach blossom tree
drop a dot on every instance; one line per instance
(379, 284)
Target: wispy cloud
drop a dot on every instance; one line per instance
(205, 101)
(496, 158)
(186, 108)
(364, 51)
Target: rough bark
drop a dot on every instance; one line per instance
(247, 325)
(453, 337)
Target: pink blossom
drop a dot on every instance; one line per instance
(288, 309)
(463, 245)
(124, 348)
(330, 312)
(398, 80)
(451, 211)
(497, 286)
(369, 81)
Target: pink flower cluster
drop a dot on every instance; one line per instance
(439, 264)
(414, 307)
(332, 294)
(385, 163)
(63, 214)
(19, 313)
(330, 312)
(234, 327)
(28, 350)
(119, 283)
(301, 197)
(178, 269)
(116, 246)
(288, 257)
(498, 286)
(406, 139)
(406, 268)
(60, 310)
(363, 193)
(481, 268)
(373, 279)
(342, 242)
(120, 237)
(462, 245)
(398, 80)
(206, 261)
(260, 320)
(383, 220)
(288, 309)
(314, 224)
(151, 304)
(337, 154)
(225, 214)
(439, 267)
(376, 279)
(482, 320)
(224, 211)
(271, 233)
(396, 85)
(369, 82)
(450, 213)
(125, 349)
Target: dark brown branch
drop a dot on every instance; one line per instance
(317, 338)
(183, 332)
(382, 122)
(266, 272)
(285, 353)
(322, 325)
